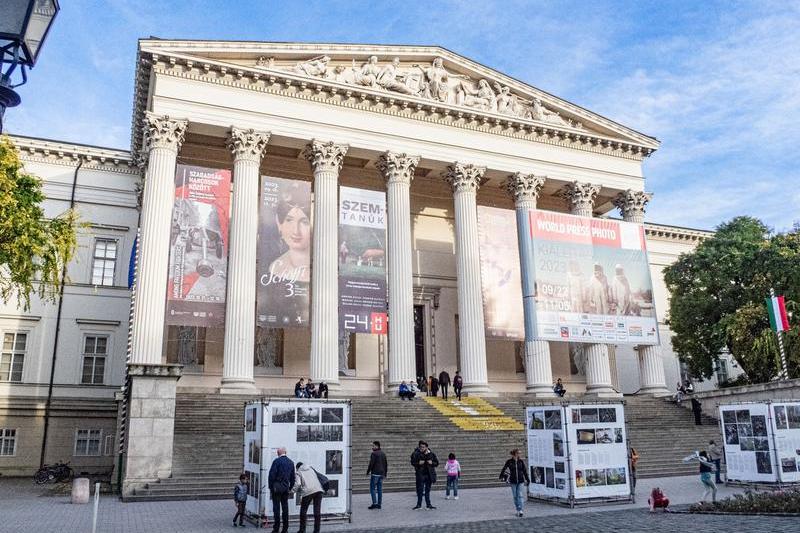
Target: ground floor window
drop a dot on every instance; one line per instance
(8, 441)
(87, 442)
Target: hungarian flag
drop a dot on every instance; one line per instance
(777, 314)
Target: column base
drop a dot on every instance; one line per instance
(656, 391)
(236, 386)
(602, 393)
(479, 389)
(541, 391)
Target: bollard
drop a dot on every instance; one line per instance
(80, 490)
(96, 506)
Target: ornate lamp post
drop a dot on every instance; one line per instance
(23, 27)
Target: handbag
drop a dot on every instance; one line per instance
(323, 481)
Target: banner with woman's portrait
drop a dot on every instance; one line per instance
(284, 253)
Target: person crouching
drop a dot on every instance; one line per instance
(309, 488)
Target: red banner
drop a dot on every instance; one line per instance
(550, 226)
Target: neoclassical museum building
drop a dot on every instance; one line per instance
(347, 213)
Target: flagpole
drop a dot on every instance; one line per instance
(784, 368)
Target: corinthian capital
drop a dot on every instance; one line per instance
(397, 167)
(524, 187)
(163, 132)
(464, 177)
(325, 156)
(247, 144)
(631, 204)
(580, 197)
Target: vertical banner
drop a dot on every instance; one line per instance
(749, 447)
(500, 273)
(198, 256)
(362, 261)
(547, 452)
(786, 429)
(284, 253)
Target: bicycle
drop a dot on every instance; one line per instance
(58, 472)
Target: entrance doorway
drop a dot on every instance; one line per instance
(419, 340)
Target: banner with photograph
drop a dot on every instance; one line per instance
(362, 261)
(501, 287)
(590, 280)
(316, 433)
(750, 444)
(198, 254)
(253, 457)
(598, 451)
(284, 253)
(547, 452)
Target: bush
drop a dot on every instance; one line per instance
(782, 501)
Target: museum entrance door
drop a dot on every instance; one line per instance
(419, 340)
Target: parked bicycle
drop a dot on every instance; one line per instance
(59, 472)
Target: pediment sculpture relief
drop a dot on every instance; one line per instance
(432, 82)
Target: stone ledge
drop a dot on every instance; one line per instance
(155, 371)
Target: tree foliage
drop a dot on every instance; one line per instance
(33, 250)
(717, 298)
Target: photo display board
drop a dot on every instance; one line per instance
(547, 452)
(762, 441)
(316, 433)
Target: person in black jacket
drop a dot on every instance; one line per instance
(424, 462)
(377, 470)
(281, 481)
(444, 382)
(515, 473)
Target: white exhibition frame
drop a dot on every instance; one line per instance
(578, 453)
(314, 432)
(762, 441)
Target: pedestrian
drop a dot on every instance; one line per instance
(559, 389)
(429, 383)
(309, 488)
(377, 469)
(444, 382)
(300, 388)
(405, 392)
(658, 500)
(434, 386)
(453, 469)
(706, 467)
(458, 384)
(715, 454)
(634, 457)
(515, 473)
(322, 390)
(697, 409)
(680, 390)
(240, 499)
(424, 462)
(280, 482)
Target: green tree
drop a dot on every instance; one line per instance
(717, 298)
(33, 250)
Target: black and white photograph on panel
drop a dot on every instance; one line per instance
(250, 419)
(552, 419)
(780, 417)
(617, 435)
(316, 434)
(595, 477)
(537, 475)
(743, 416)
(333, 489)
(558, 445)
(763, 463)
(332, 415)
(559, 467)
(549, 476)
(283, 415)
(608, 414)
(793, 415)
(308, 415)
(604, 436)
(332, 433)
(729, 417)
(585, 436)
(537, 420)
(731, 434)
(333, 462)
(589, 416)
(303, 433)
(759, 423)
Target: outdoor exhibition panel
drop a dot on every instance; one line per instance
(314, 432)
(762, 441)
(578, 452)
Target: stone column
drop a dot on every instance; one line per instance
(240, 303)
(651, 365)
(326, 161)
(538, 372)
(598, 366)
(465, 180)
(398, 170)
(162, 139)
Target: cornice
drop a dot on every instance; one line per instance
(675, 233)
(67, 154)
(287, 84)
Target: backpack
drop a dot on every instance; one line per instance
(323, 480)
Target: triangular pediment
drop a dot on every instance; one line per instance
(433, 75)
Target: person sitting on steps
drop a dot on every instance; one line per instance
(559, 389)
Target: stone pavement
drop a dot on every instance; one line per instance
(25, 507)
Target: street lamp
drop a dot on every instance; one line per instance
(23, 27)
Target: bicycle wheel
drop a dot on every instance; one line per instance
(40, 477)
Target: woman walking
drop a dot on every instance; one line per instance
(515, 473)
(706, 468)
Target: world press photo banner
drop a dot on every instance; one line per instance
(198, 255)
(500, 273)
(590, 280)
(362, 261)
(284, 253)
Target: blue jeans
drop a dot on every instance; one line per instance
(452, 482)
(376, 489)
(518, 491)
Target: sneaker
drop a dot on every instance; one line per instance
(430, 507)
(373, 506)
(455, 497)
(447, 497)
(416, 508)
(519, 513)
(378, 507)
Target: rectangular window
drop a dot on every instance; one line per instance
(87, 442)
(8, 441)
(722, 371)
(13, 356)
(95, 349)
(108, 447)
(104, 261)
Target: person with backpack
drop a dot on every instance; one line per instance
(458, 384)
(453, 469)
(240, 499)
(424, 462)
(308, 484)
(377, 469)
(515, 474)
(280, 482)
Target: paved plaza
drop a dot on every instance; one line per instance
(25, 507)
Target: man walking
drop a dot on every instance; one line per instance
(377, 470)
(458, 384)
(424, 462)
(715, 454)
(280, 482)
(444, 382)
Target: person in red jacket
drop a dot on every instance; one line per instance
(658, 500)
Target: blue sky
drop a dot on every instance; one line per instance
(717, 82)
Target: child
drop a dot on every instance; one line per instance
(658, 500)
(453, 469)
(240, 499)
